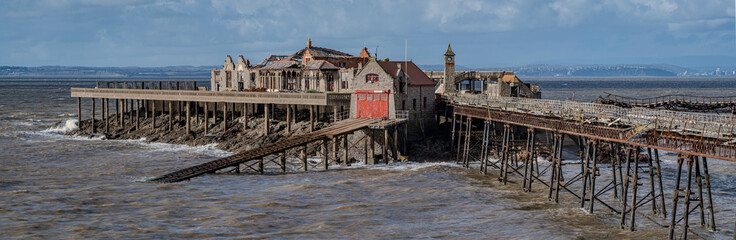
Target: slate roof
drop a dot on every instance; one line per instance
(417, 77)
(320, 65)
(270, 59)
(281, 65)
(319, 52)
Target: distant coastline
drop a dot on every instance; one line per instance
(526, 71)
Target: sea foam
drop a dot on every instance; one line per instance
(65, 127)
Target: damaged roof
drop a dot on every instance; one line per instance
(281, 65)
(320, 65)
(417, 77)
(319, 52)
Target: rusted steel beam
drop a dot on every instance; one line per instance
(667, 141)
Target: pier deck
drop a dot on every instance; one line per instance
(316, 99)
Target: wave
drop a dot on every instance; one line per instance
(208, 149)
(65, 127)
(410, 166)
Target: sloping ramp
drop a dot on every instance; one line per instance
(337, 128)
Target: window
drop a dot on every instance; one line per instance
(361, 97)
(424, 102)
(403, 104)
(384, 97)
(414, 104)
(342, 64)
(371, 78)
(369, 97)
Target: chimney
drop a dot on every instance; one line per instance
(398, 65)
(360, 65)
(309, 42)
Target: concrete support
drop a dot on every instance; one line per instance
(282, 161)
(130, 112)
(79, 113)
(335, 148)
(196, 112)
(265, 118)
(334, 114)
(94, 130)
(188, 106)
(260, 165)
(406, 136)
(171, 115)
(117, 111)
(325, 160)
(224, 117)
(288, 118)
(138, 115)
(107, 115)
(345, 151)
(385, 145)
(396, 143)
(365, 148)
(311, 118)
(304, 157)
(245, 116)
(372, 157)
(206, 118)
(145, 108)
(232, 114)
(153, 115)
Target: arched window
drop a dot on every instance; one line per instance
(371, 78)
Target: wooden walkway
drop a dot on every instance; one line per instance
(338, 128)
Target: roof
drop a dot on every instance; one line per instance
(364, 53)
(417, 77)
(449, 51)
(510, 78)
(319, 52)
(281, 65)
(270, 59)
(320, 65)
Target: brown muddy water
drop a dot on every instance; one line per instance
(57, 186)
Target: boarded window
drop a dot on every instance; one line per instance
(371, 78)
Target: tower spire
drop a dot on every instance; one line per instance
(449, 51)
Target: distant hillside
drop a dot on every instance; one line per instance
(547, 70)
(106, 72)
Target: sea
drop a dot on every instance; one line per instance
(54, 186)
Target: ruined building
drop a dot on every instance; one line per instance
(378, 88)
(491, 83)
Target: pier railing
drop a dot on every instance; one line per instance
(159, 85)
(726, 101)
(720, 126)
(220, 96)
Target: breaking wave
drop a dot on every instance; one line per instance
(65, 127)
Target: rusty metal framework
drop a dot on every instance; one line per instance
(630, 139)
(674, 102)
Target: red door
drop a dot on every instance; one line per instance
(372, 104)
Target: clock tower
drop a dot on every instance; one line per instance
(449, 70)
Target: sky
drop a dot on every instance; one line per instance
(491, 33)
